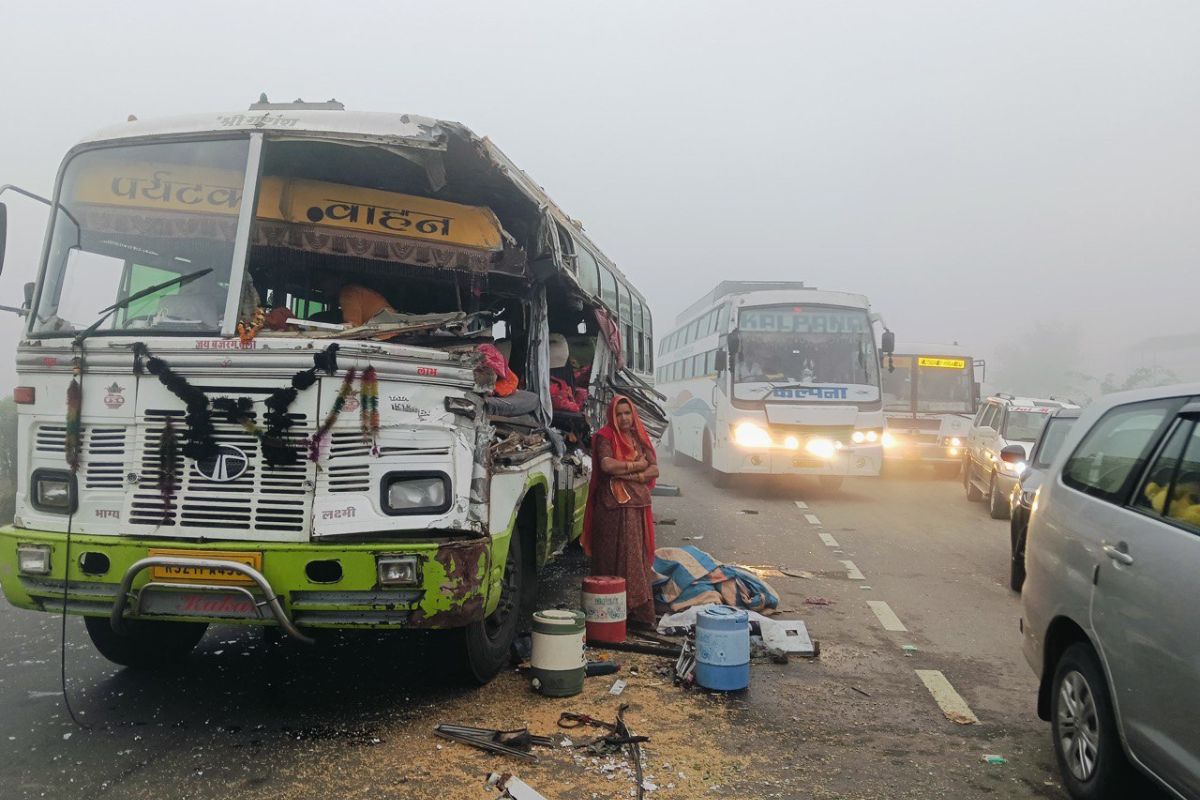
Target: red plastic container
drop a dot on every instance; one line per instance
(604, 608)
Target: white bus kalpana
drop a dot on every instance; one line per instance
(776, 378)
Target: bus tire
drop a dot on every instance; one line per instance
(145, 644)
(484, 645)
(830, 483)
(947, 470)
(716, 477)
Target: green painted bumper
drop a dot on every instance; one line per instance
(459, 579)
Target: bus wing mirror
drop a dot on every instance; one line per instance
(733, 342)
(889, 342)
(29, 294)
(722, 361)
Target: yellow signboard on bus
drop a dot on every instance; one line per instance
(195, 190)
(941, 363)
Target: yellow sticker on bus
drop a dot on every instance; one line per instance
(941, 363)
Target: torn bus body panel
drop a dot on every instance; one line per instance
(456, 585)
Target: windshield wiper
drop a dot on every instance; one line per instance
(105, 313)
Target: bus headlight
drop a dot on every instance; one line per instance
(52, 490)
(887, 440)
(858, 437)
(397, 570)
(416, 493)
(748, 434)
(955, 441)
(821, 448)
(791, 443)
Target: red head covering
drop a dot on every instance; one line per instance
(623, 450)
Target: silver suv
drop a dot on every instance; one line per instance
(1109, 602)
(1003, 420)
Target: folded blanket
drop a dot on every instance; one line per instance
(688, 576)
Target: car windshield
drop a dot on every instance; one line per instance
(134, 217)
(1053, 436)
(1025, 425)
(806, 353)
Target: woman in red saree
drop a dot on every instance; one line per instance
(618, 526)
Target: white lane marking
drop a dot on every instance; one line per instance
(828, 540)
(801, 504)
(887, 618)
(852, 572)
(950, 701)
(812, 519)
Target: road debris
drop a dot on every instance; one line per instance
(994, 759)
(860, 691)
(817, 601)
(512, 787)
(617, 687)
(666, 490)
(516, 743)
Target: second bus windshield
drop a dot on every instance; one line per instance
(928, 384)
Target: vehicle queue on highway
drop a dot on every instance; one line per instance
(1103, 503)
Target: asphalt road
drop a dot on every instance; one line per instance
(249, 718)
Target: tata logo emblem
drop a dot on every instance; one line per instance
(114, 396)
(228, 464)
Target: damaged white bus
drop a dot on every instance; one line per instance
(293, 367)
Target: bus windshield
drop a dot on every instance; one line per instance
(134, 217)
(928, 384)
(944, 384)
(806, 353)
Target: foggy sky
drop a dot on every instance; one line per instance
(972, 167)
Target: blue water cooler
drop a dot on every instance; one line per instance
(723, 649)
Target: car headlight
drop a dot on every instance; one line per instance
(748, 434)
(821, 448)
(33, 559)
(397, 570)
(955, 441)
(52, 490)
(416, 493)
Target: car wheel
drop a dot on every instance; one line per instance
(973, 493)
(484, 645)
(997, 505)
(145, 644)
(1016, 571)
(1086, 743)
(718, 478)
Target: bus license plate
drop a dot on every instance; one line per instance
(203, 574)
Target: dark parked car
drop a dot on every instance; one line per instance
(1020, 501)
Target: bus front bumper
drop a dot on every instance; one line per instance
(857, 461)
(924, 452)
(454, 581)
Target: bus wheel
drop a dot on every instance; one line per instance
(145, 644)
(485, 644)
(830, 483)
(947, 470)
(715, 476)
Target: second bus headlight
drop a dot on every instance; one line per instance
(821, 448)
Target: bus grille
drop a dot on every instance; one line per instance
(102, 460)
(263, 498)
